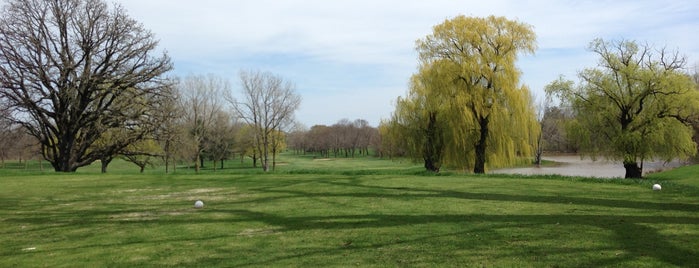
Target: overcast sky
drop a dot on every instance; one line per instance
(352, 59)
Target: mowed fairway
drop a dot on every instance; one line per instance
(363, 213)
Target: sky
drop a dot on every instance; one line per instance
(352, 59)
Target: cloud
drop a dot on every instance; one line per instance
(349, 50)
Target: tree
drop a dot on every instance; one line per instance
(268, 104)
(220, 139)
(142, 153)
(634, 106)
(490, 115)
(74, 69)
(421, 117)
(553, 131)
(201, 102)
(169, 130)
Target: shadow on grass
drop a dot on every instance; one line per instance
(631, 231)
(633, 234)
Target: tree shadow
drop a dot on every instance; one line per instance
(633, 234)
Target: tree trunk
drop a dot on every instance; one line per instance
(479, 168)
(539, 148)
(633, 170)
(196, 164)
(104, 161)
(432, 153)
(274, 158)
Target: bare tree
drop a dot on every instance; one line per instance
(169, 129)
(268, 104)
(201, 104)
(74, 69)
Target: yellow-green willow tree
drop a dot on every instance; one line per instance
(636, 105)
(488, 116)
(420, 118)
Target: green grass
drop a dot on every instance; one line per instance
(344, 212)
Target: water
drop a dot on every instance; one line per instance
(572, 165)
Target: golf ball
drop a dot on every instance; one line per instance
(656, 187)
(198, 204)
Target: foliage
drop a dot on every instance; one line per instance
(635, 106)
(72, 70)
(422, 119)
(467, 93)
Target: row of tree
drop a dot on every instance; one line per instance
(466, 108)
(88, 83)
(344, 139)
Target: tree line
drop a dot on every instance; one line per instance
(467, 109)
(81, 82)
(89, 84)
(344, 139)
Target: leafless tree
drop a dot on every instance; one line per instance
(201, 103)
(74, 69)
(169, 128)
(268, 103)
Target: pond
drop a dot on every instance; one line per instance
(573, 165)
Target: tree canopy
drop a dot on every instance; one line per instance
(636, 105)
(466, 97)
(72, 70)
(267, 104)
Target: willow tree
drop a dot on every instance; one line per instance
(491, 115)
(636, 105)
(421, 118)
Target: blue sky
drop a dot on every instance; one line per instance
(352, 59)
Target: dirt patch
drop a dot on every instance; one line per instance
(256, 232)
(144, 215)
(322, 159)
(199, 193)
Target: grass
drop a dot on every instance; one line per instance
(344, 212)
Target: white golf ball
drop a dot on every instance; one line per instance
(198, 204)
(656, 187)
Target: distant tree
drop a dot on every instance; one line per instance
(490, 115)
(320, 139)
(366, 135)
(268, 103)
(553, 130)
(142, 153)
(220, 140)
(392, 142)
(74, 69)
(635, 106)
(297, 139)
(201, 103)
(169, 128)
(7, 134)
(245, 143)
(277, 145)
